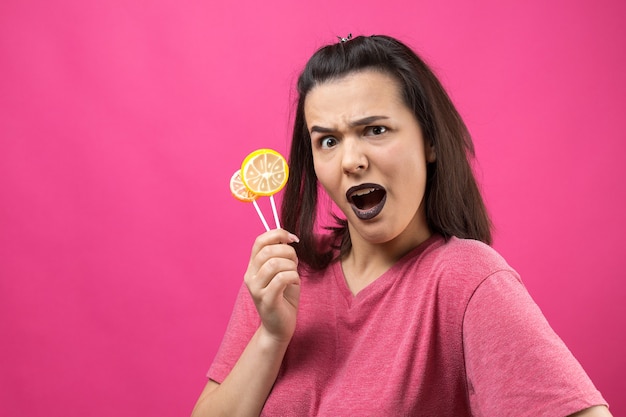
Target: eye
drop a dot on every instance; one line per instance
(375, 130)
(327, 142)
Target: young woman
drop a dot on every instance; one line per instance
(404, 309)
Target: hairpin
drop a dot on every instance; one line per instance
(343, 40)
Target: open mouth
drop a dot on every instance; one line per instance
(367, 200)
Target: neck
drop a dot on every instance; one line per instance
(367, 261)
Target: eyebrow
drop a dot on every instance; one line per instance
(360, 122)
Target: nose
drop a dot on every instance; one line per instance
(354, 159)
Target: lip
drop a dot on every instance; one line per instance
(370, 213)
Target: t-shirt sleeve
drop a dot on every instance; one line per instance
(516, 364)
(243, 322)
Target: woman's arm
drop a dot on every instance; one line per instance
(246, 388)
(274, 285)
(529, 364)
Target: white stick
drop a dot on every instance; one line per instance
(275, 213)
(258, 210)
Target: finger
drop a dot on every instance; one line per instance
(267, 252)
(276, 288)
(273, 237)
(268, 272)
(267, 246)
(276, 251)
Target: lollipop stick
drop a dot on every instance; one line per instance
(275, 213)
(258, 210)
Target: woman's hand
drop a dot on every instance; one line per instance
(274, 283)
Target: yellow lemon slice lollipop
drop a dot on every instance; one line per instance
(239, 190)
(241, 193)
(264, 172)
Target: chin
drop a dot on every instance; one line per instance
(381, 235)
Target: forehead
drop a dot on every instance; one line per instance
(357, 94)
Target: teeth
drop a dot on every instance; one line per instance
(364, 191)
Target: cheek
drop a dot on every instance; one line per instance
(409, 175)
(323, 168)
(321, 173)
(326, 178)
(325, 182)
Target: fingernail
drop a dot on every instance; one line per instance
(294, 238)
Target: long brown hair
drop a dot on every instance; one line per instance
(453, 203)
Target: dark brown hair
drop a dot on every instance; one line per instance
(453, 203)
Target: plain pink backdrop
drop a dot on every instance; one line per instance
(121, 248)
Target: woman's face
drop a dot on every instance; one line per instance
(370, 156)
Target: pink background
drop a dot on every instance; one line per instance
(121, 122)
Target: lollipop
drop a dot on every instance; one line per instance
(241, 193)
(264, 172)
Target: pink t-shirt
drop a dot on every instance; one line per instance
(449, 330)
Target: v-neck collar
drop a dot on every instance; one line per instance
(381, 284)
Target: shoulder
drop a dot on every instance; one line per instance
(459, 266)
(465, 258)
(469, 253)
